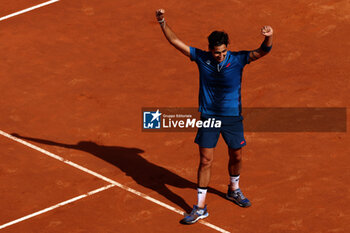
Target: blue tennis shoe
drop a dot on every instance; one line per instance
(237, 197)
(195, 215)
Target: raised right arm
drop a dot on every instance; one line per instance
(170, 35)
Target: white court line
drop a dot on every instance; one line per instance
(28, 9)
(56, 206)
(115, 183)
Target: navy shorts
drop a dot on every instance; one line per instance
(231, 130)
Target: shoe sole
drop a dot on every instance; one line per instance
(237, 203)
(199, 218)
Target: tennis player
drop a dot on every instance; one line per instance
(220, 73)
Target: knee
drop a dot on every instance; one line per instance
(206, 157)
(236, 156)
(206, 161)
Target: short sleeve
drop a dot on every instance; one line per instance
(243, 57)
(193, 53)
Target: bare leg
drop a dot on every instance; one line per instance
(235, 161)
(204, 169)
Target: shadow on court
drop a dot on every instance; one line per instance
(130, 161)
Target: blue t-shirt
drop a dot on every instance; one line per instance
(220, 83)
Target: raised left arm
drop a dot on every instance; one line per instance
(265, 47)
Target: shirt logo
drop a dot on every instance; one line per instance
(242, 142)
(228, 65)
(208, 62)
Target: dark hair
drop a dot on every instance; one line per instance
(217, 38)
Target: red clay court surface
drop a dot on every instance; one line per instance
(75, 75)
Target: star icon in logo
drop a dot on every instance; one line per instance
(156, 115)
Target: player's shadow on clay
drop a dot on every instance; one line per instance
(130, 161)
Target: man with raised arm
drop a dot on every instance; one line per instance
(220, 73)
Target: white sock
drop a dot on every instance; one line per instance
(201, 193)
(234, 182)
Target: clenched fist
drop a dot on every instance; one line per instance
(160, 14)
(266, 31)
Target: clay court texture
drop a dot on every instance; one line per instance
(74, 76)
